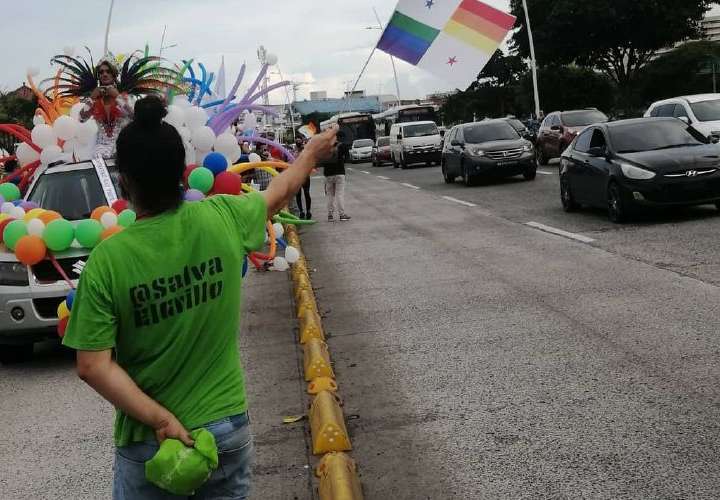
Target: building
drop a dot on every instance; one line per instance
(23, 92)
(711, 28)
(318, 95)
(333, 106)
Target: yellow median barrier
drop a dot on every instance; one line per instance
(338, 478)
(302, 283)
(316, 360)
(300, 267)
(305, 302)
(322, 384)
(310, 327)
(327, 425)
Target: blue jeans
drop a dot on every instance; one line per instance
(231, 480)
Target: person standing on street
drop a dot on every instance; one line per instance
(334, 170)
(305, 190)
(157, 310)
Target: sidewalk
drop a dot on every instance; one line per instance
(275, 388)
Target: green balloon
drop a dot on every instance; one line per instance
(59, 235)
(9, 191)
(127, 218)
(13, 232)
(88, 233)
(202, 179)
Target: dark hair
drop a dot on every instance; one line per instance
(113, 69)
(151, 158)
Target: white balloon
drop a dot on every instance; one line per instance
(181, 101)
(65, 127)
(185, 134)
(25, 154)
(43, 135)
(279, 230)
(175, 116)
(86, 132)
(226, 144)
(271, 59)
(75, 110)
(292, 254)
(69, 146)
(249, 122)
(38, 120)
(254, 158)
(17, 212)
(237, 151)
(189, 154)
(200, 156)
(280, 264)
(203, 138)
(108, 220)
(50, 154)
(195, 117)
(35, 227)
(7, 208)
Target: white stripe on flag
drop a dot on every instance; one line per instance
(454, 61)
(436, 15)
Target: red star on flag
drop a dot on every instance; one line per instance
(452, 60)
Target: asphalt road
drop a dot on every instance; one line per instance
(485, 358)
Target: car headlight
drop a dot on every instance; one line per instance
(528, 147)
(13, 274)
(475, 151)
(633, 172)
(407, 148)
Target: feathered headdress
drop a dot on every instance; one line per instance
(138, 76)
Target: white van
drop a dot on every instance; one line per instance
(415, 142)
(702, 111)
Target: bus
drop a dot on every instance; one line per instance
(353, 126)
(404, 114)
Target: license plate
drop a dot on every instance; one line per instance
(507, 163)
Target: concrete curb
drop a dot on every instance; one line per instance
(337, 470)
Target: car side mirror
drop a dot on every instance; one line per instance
(714, 139)
(597, 152)
(457, 143)
(684, 119)
(556, 128)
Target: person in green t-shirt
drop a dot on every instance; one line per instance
(164, 294)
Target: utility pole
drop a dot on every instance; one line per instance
(533, 62)
(262, 57)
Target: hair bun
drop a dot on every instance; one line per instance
(149, 111)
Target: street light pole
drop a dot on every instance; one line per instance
(533, 62)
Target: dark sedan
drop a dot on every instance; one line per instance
(649, 162)
(488, 148)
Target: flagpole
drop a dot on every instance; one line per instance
(392, 60)
(107, 28)
(533, 62)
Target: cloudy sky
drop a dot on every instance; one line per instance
(320, 44)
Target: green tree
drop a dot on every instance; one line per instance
(14, 110)
(617, 37)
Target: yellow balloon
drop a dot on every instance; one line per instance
(3, 217)
(33, 214)
(63, 311)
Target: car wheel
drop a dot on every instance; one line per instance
(568, 201)
(530, 173)
(541, 158)
(10, 354)
(468, 180)
(618, 209)
(448, 178)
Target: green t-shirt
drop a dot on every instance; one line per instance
(165, 294)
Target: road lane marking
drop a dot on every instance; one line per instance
(543, 172)
(383, 177)
(461, 202)
(560, 232)
(409, 185)
(365, 172)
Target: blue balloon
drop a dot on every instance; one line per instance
(15, 180)
(281, 242)
(245, 266)
(216, 163)
(18, 202)
(70, 299)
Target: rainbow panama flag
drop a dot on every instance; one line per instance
(453, 39)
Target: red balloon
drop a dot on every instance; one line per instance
(62, 326)
(227, 183)
(186, 174)
(119, 205)
(4, 223)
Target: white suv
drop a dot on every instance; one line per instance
(702, 111)
(29, 296)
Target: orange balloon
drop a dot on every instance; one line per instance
(111, 231)
(99, 211)
(30, 250)
(48, 216)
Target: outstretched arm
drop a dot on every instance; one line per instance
(284, 186)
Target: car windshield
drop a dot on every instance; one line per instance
(583, 118)
(383, 141)
(74, 194)
(652, 136)
(499, 131)
(707, 111)
(363, 143)
(420, 130)
(516, 124)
